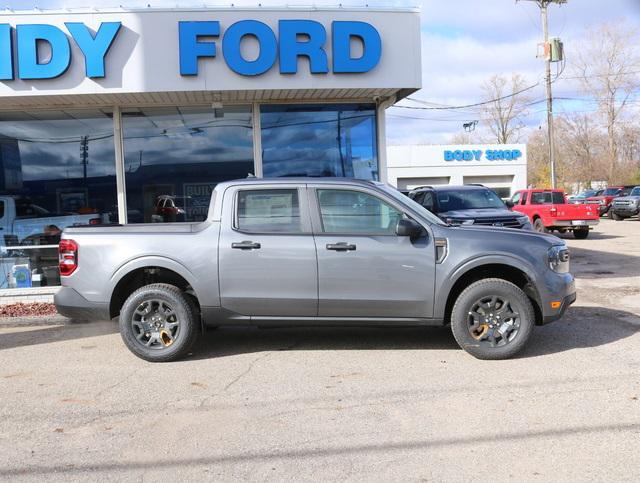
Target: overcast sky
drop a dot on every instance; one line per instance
(464, 42)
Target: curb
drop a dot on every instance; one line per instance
(9, 322)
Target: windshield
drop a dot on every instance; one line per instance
(635, 191)
(611, 191)
(587, 194)
(405, 200)
(468, 199)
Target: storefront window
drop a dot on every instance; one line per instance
(175, 156)
(319, 140)
(57, 169)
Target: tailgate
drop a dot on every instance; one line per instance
(576, 212)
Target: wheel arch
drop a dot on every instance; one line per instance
(515, 273)
(147, 270)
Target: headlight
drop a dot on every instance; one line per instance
(559, 258)
(523, 220)
(453, 221)
(602, 202)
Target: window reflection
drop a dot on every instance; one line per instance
(175, 156)
(57, 169)
(319, 140)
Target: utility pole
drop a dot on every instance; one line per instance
(548, 53)
(84, 155)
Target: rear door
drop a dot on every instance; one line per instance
(267, 255)
(364, 268)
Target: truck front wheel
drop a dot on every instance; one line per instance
(159, 323)
(615, 216)
(492, 319)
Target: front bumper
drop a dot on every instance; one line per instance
(70, 303)
(566, 302)
(626, 211)
(603, 209)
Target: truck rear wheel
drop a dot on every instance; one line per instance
(159, 323)
(539, 226)
(581, 233)
(492, 319)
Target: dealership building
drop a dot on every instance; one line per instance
(501, 167)
(133, 116)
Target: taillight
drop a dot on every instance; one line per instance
(67, 257)
(94, 221)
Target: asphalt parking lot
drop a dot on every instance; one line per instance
(347, 404)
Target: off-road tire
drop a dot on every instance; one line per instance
(188, 316)
(581, 233)
(489, 287)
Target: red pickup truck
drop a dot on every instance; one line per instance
(549, 211)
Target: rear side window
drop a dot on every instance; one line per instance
(268, 211)
(547, 198)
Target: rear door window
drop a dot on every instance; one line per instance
(268, 211)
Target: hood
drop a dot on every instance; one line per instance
(478, 214)
(474, 230)
(627, 198)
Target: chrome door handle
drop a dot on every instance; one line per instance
(341, 247)
(246, 245)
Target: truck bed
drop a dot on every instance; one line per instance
(137, 228)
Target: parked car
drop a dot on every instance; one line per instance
(302, 251)
(581, 197)
(605, 198)
(626, 206)
(21, 219)
(167, 211)
(548, 211)
(468, 205)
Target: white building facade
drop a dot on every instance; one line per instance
(502, 167)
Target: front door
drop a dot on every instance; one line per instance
(267, 255)
(364, 268)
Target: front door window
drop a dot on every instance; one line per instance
(355, 212)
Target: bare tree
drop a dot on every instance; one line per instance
(462, 138)
(607, 65)
(580, 148)
(503, 115)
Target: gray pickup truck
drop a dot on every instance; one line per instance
(314, 251)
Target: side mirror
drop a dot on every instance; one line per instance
(408, 228)
(510, 204)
